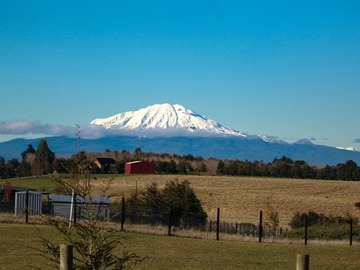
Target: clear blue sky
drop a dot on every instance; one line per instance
(289, 69)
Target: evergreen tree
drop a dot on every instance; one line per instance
(2, 161)
(201, 168)
(351, 171)
(170, 167)
(221, 167)
(154, 205)
(185, 206)
(184, 167)
(29, 150)
(27, 156)
(44, 158)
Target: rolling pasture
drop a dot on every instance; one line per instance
(241, 198)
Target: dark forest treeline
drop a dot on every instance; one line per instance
(287, 168)
(43, 161)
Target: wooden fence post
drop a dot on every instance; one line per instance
(302, 262)
(218, 224)
(306, 229)
(27, 207)
(66, 257)
(351, 231)
(74, 218)
(169, 222)
(260, 226)
(122, 213)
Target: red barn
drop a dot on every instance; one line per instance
(139, 167)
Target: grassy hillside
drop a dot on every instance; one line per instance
(42, 183)
(241, 198)
(18, 240)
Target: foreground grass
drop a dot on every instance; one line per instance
(161, 252)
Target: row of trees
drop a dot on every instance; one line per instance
(43, 161)
(287, 168)
(34, 162)
(182, 167)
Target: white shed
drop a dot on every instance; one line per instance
(34, 203)
(98, 206)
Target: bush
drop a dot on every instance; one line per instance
(328, 232)
(153, 205)
(298, 220)
(322, 227)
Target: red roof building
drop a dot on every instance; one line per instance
(139, 167)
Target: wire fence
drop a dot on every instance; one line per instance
(174, 221)
(177, 221)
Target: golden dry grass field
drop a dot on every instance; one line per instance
(241, 198)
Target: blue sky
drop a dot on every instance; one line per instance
(288, 69)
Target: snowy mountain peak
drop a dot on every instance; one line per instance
(166, 119)
(271, 139)
(304, 141)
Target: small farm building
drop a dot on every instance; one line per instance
(104, 164)
(7, 197)
(98, 205)
(139, 167)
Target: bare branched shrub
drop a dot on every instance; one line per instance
(7, 189)
(271, 218)
(94, 243)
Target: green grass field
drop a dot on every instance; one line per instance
(41, 183)
(162, 252)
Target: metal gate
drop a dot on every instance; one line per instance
(28, 199)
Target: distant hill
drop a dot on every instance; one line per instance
(219, 147)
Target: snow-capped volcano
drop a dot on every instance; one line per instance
(165, 119)
(169, 128)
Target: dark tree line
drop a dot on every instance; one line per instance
(287, 168)
(42, 161)
(34, 162)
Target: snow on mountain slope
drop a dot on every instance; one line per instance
(304, 142)
(348, 149)
(166, 119)
(270, 139)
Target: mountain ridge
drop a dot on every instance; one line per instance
(206, 147)
(165, 128)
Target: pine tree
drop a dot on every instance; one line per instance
(44, 159)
